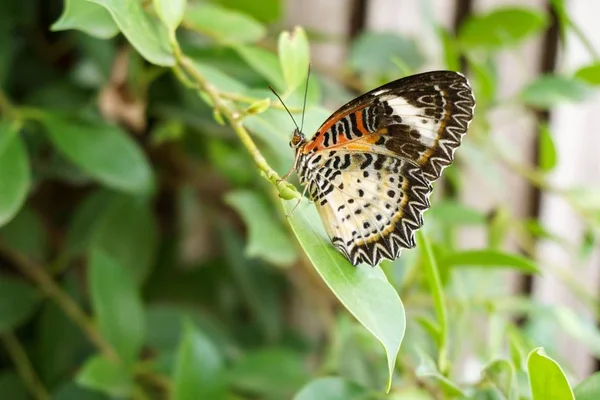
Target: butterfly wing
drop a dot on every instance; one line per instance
(370, 166)
(420, 118)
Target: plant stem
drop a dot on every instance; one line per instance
(285, 189)
(435, 285)
(40, 276)
(25, 369)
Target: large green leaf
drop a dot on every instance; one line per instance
(103, 151)
(489, 258)
(589, 74)
(294, 56)
(264, 62)
(589, 389)
(25, 234)
(501, 27)
(14, 171)
(199, 369)
(548, 91)
(264, 10)
(117, 306)
(12, 386)
(266, 237)
(223, 25)
(363, 290)
(86, 17)
(546, 378)
(272, 373)
(106, 376)
(18, 301)
(331, 389)
(148, 37)
(128, 233)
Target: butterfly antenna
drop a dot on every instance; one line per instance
(284, 106)
(305, 95)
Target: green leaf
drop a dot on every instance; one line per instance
(575, 325)
(103, 151)
(15, 173)
(199, 369)
(128, 233)
(221, 80)
(590, 74)
(12, 387)
(451, 212)
(269, 372)
(25, 234)
(589, 389)
(149, 38)
(501, 374)
(374, 53)
(223, 25)
(549, 90)
(547, 150)
(117, 306)
(546, 378)
(266, 237)
(294, 56)
(72, 391)
(490, 258)
(170, 12)
(264, 10)
(264, 62)
(106, 376)
(332, 388)
(500, 28)
(18, 301)
(86, 17)
(363, 290)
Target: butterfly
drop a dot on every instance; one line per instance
(370, 166)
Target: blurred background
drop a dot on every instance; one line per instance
(104, 151)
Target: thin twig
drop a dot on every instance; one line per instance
(24, 368)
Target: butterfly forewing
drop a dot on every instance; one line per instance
(370, 165)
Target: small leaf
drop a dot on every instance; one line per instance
(589, 389)
(170, 12)
(584, 331)
(547, 150)
(223, 25)
(264, 62)
(549, 90)
(266, 237)
(106, 376)
(86, 17)
(269, 372)
(501, 374)
(117, 306)
(363, 290)
(103, 151)
(428, 369)
(25, 234)
(128, 233)
(546, 378)
(18, 301)
(331, 389)
(199, 369)
(490, 258)
(294, 56)
(219, 79)
(148, 38)
(501, 27)
(590, 74)
(258, 107)
(15, 175)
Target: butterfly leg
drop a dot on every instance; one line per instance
(298, 202)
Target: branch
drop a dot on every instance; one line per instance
(26, 372)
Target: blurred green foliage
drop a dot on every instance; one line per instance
(144, 255)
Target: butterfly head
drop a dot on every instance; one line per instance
(298, 139)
